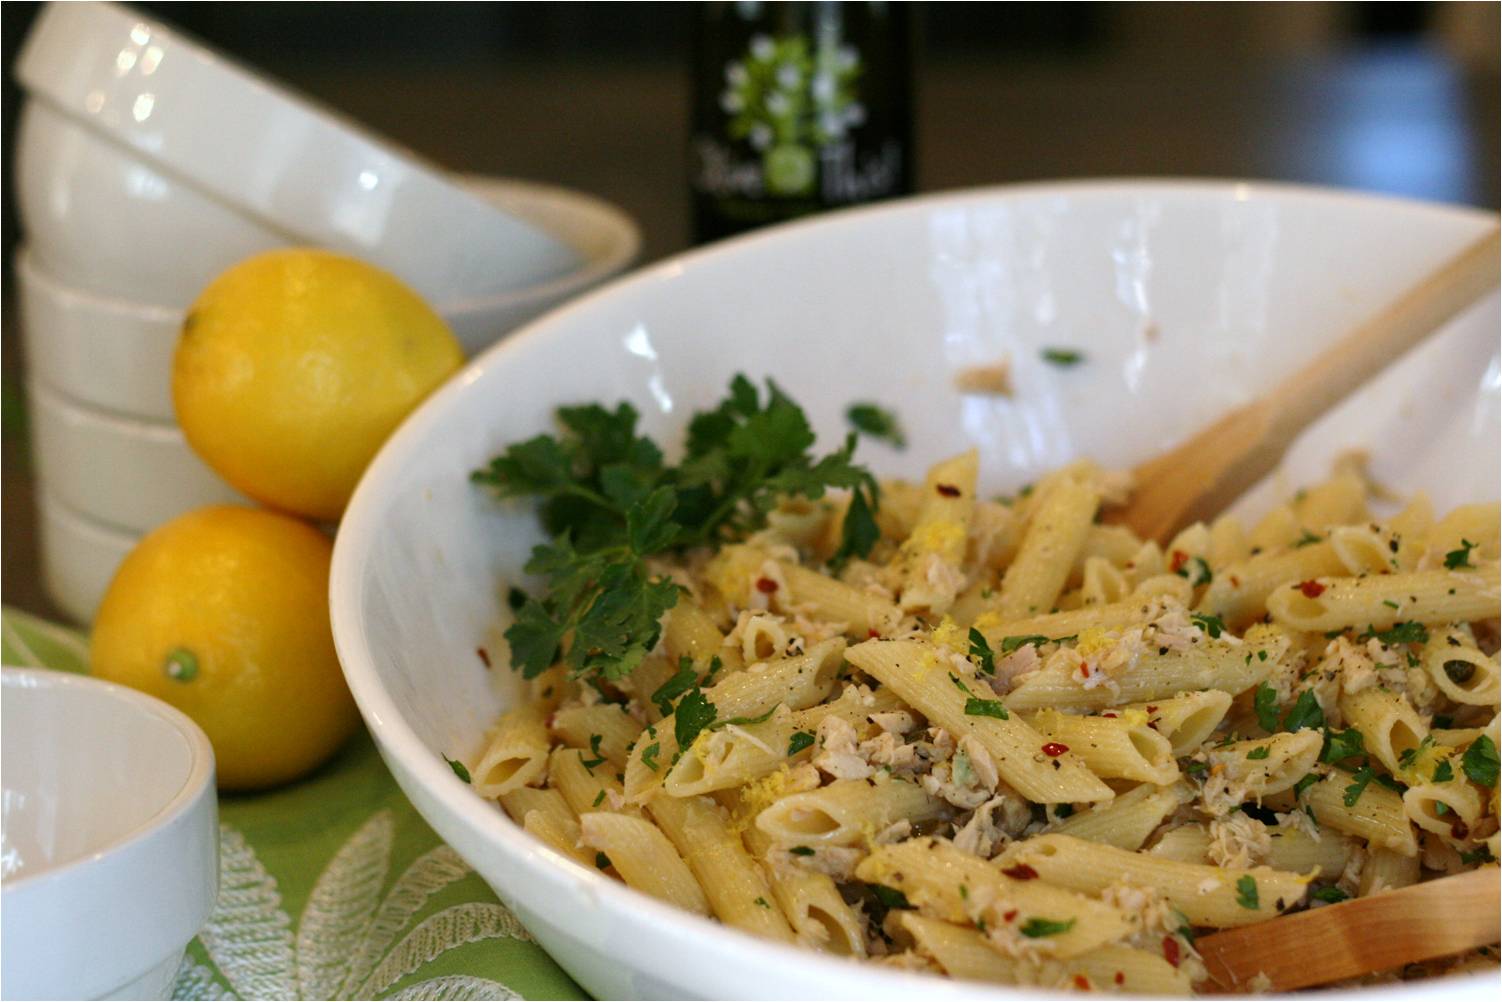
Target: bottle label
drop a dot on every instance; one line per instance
(791, 132)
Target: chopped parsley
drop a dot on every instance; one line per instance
(515, 598)
(1258, 753)
(1444, 772)
(1341, 745)
(1456, 559)
(975, 707)
(1307, 539)
(1265, 704)
(1459, 672)
(1246, 893)
(1359, 780)
(1401, 633)
(799, 741)
(980, 652)
(876, 422)
(1037, 928)
(1408, 756)
(1010, 644)
(458, 767)
(1480, 854)
(608, 502)
(801, 850)
(602, 861)
(1480, 761)
(649, 755)
(1308, 780)
(1305, 712)
(761, 902)
(594, 748)
(1213, 625)
(1062, 357)
(684, 679)
(1201, 571)
(599, 798)
(1196, 768)
(1330, 895)
(693, 713)
(760, 718)
(890, 897)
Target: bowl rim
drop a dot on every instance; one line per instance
(360, 524)
(276, 105)
(200, 771)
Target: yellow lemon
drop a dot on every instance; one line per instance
(223, 612)
(295, 365)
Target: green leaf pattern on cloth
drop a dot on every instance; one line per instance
(326, 849)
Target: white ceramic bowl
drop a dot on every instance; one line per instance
(1187, 298)
(79, 556)
(115, 352)
(264, 153)
(111, 838)
(130, 473)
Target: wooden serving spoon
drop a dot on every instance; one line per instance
(1439, 918)
(1198, 479)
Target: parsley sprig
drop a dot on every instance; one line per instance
(609, 502)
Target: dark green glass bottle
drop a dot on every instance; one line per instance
(798, 107)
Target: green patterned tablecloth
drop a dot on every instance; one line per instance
(335, 888)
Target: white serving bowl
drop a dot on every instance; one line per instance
(130, 473)
(79, 556)
(97, 217)
(1187, 298)
(114, 352)
(111, 838)
(264, 153)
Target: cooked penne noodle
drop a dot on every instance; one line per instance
(945, 883)
(1053, 539)
(1186, 721)
(1459, 670)
(928, 565)
(1386, 870)
(516, 754)
(847, 811)
(1375, 812)
(812, 904)
(1127, 821)
(925, 680)
(545, 815)
(1382, 600)
(738, 892)
(644, 858)
(1265, 766)
(1112, 747)
(1213, 896)
(1238, 595)
(1449, 809)
(1232, 670)
(1389, 725)
(588, 784)
(579, 726)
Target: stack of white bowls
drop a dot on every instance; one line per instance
(146, 165)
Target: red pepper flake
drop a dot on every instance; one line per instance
(1171, 950)
(948, 490)
(1459, 829)
(484, 655)
(766, 585)
(1179, 559)
(1053, 749)
(1151, 708)
(1111, 715)
(872, 634)
(1235, 581)
(1021, 872)
(1081, 982)
(1311, 589)
(1010, 916)
(1120, 978)
(1085, 669)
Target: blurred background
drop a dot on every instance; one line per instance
(1391, 97)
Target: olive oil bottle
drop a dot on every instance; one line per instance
(798, 108)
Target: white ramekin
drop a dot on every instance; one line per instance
(130, 473)
(111, 838)
(79, 556)
(269, 155)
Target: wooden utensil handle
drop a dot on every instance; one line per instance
(1358, 356)
(1439, 918)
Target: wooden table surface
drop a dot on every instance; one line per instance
(1402, 119)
